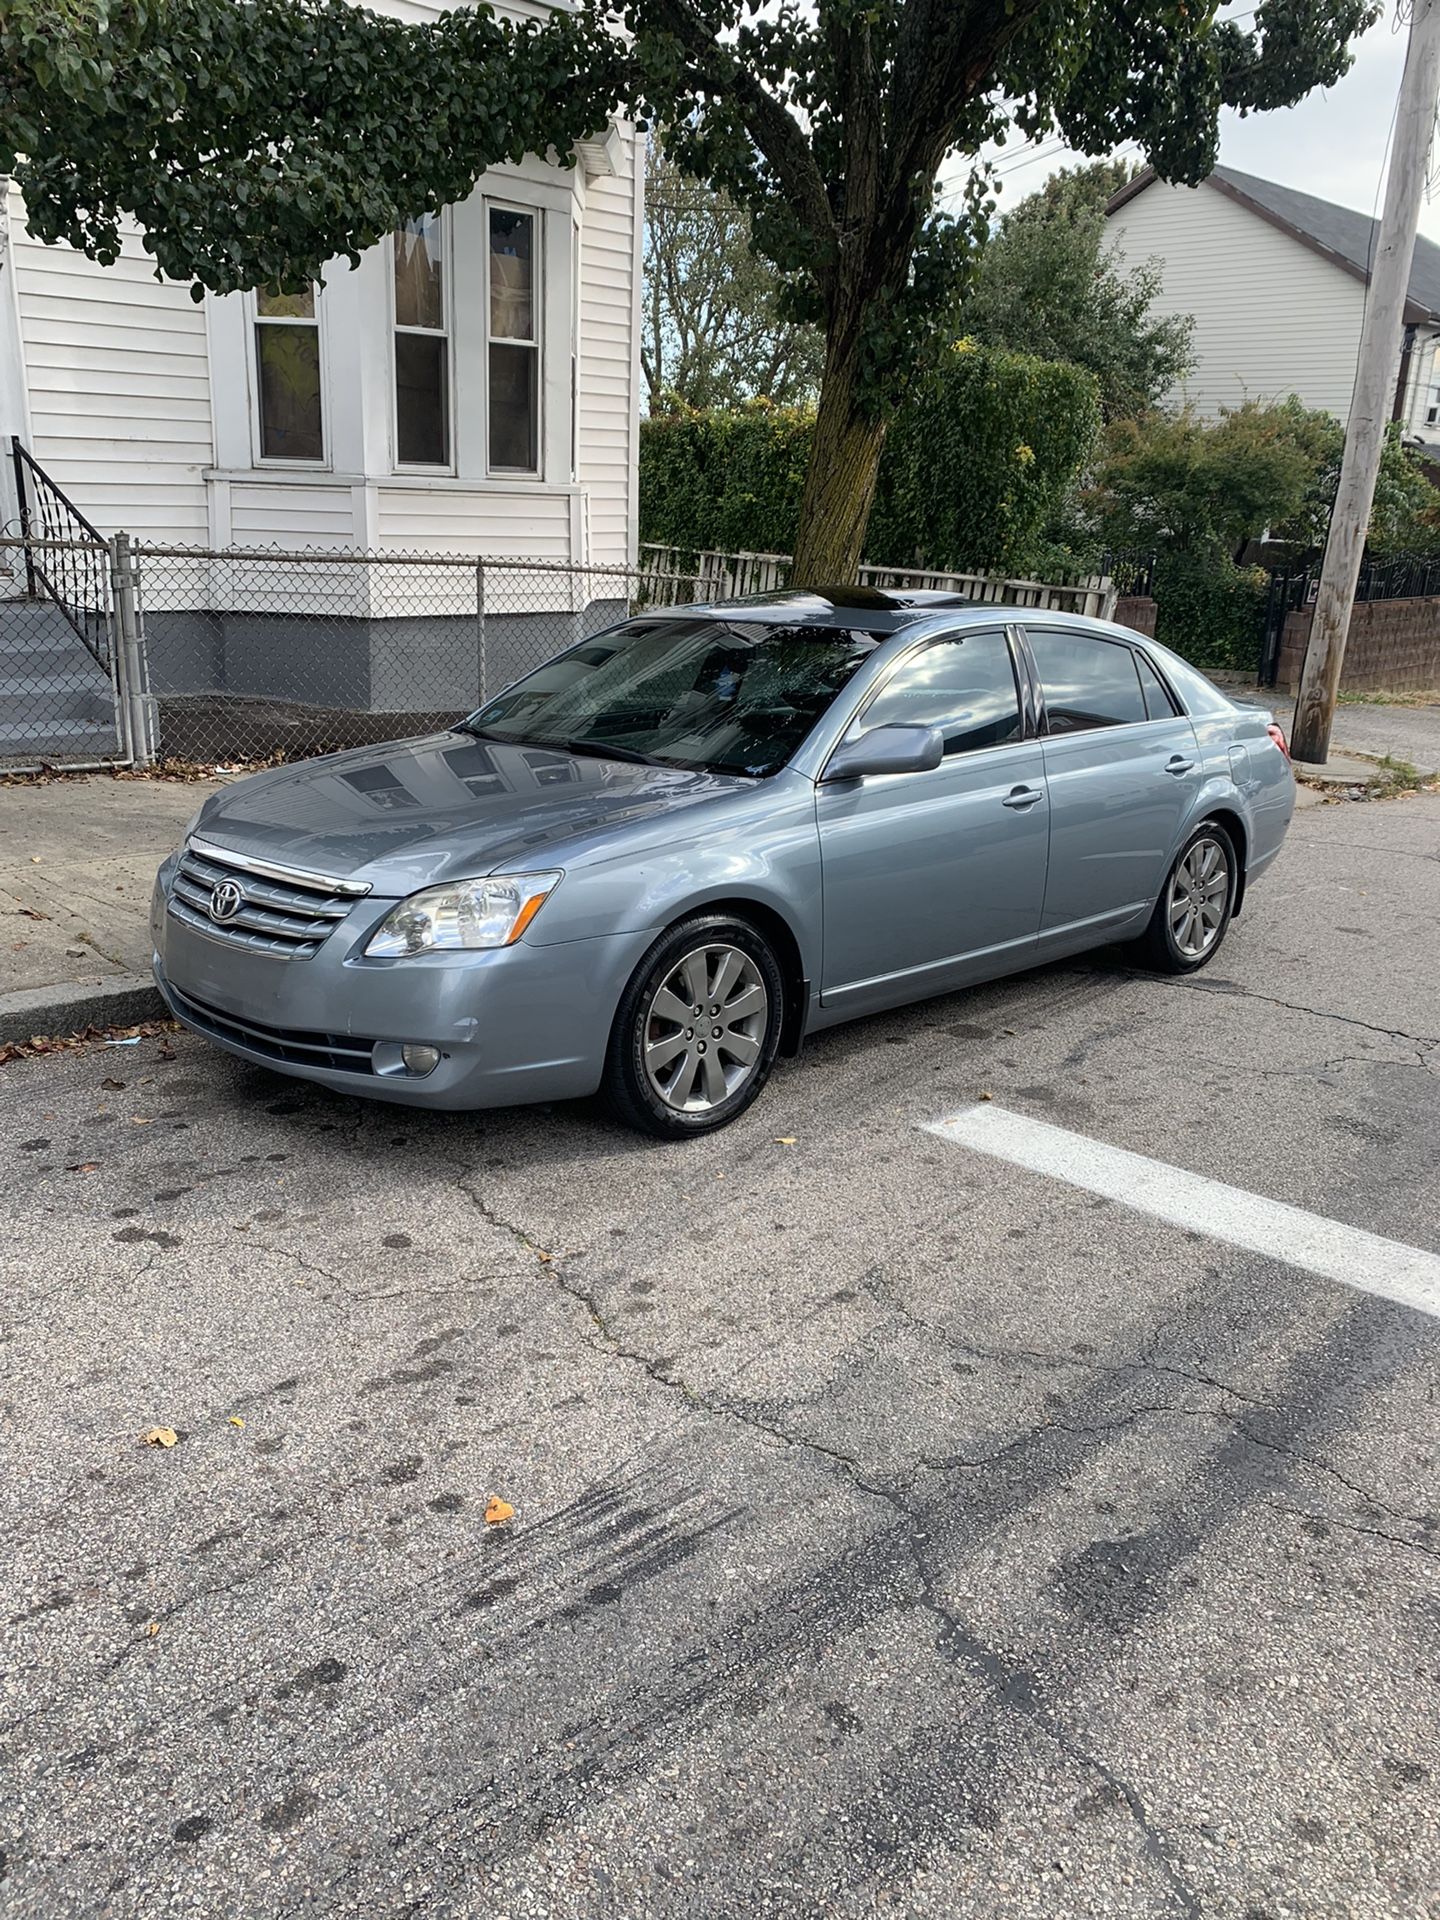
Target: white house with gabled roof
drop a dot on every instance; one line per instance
(1275, 282)
(472, 387)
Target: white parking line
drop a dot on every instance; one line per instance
(1347, 1254)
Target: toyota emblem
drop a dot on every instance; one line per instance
(226, 901)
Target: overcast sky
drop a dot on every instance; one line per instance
(1332, 144)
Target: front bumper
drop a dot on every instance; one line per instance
(513, 1025)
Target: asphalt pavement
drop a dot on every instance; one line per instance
(896, 1531)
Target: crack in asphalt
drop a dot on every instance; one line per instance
(1232, 990)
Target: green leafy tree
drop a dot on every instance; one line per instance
(713, 333)
(1046, 283)
(255, 139)
(1210, 487)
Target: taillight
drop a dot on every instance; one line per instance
(1278, 736)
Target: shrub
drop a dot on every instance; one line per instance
(974, 467)
(1210, 611)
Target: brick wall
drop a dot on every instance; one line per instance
(1394, 646)
(1137, 611)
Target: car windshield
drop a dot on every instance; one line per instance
(731, 696)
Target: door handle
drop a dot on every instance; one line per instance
(1022, 797)
(1178, 764)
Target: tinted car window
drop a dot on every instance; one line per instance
(1199, 695)
(735, 695)
(1158, 703)
(966, 687)
(1087, 682)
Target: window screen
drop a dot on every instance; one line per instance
(1087, 682)
(966, 687)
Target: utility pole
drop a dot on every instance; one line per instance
(1379, 364)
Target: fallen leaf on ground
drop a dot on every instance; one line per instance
(785, 1139)
(236, 1421)
(498, 1511)
(83, 1166)
(985, 1094)
(159, 1437)
(153, 1628)
(32, 913)
(112, 1085)
(140, 1120)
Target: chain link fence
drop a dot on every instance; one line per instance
(253, 655)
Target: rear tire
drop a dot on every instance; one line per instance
(697, 1029)
(1193, 912)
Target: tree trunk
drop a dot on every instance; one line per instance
(840, 479)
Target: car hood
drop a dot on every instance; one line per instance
(414, 813)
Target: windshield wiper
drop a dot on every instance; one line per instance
(603, 750)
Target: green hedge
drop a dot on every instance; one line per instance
(1210, 611)
(974, 466)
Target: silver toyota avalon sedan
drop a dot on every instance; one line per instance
(670, 853)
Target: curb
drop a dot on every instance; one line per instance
(124, 1001)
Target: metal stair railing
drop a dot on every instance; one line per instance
(66, 558)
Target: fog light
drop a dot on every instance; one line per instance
(420, 1059)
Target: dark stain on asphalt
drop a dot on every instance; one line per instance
(193, 1828)
(842, 1716)
(1113, 1583)
(34, 1146)
(490, 1594)
(272, 1445)
(642, 1286)
(124, 1213)
(1312, 1830)
(132, 1235)
(397, 1240)
(297, 1805)
(409, 1376)
(317, 1679)
(217, 1539)
(447, 1502)
(52, 1603)
(172, 1193)
(401, 1472)
(1408, 1773)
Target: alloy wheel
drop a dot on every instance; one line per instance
(704, 1029)
(1199, 895)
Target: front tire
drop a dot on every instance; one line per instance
(1193, 912)
(697, 1029)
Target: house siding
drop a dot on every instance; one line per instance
(1272, 317)
(118, 384)
(608, 392)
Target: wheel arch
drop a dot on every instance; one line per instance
(1233, 821)
(768, 919)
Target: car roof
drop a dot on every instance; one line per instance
(884, 609)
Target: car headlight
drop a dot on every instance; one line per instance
(469, 913)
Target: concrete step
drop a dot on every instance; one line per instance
(57, 740)
(55, 697)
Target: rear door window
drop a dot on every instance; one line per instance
(1158, 703)
(1087, 682)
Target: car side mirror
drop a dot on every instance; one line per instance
(887, 750)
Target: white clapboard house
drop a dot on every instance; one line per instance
(1275, 282)
(470, 388)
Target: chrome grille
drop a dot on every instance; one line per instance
(282, 913)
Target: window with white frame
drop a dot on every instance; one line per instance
(422, 344)
(512, 339)
(287, 383)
